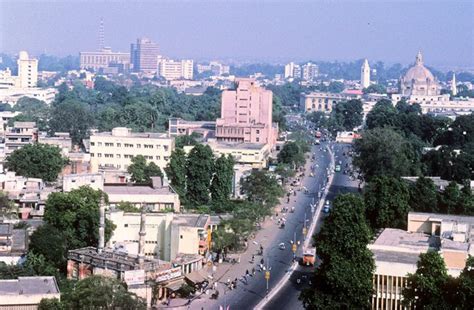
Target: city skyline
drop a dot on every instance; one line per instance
(273, 31)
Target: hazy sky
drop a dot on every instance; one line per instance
(391, 31)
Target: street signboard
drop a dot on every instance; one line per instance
(133, 277)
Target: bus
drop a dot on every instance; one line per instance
(309, 257)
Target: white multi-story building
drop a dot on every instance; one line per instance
(292, 70)
(175, 69)
(12, 88)
(27, 71)
(102, 59)
(310, 71)
(117, 148)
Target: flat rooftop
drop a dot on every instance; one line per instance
(192, 220)
(234, 146)
(29, 286)
(398, 240)
(151, 135)
(137, 190)
(443, 217)
(396, 257)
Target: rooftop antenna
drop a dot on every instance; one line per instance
(101, 34)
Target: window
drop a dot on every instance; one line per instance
(99, 143)
(166, 158)
(128, 145)
(125, 225)
(258, 131)
(181, 237)
(148, 146)
(92, 154)
(139, 146)
(258, 140)
(99, 154)
(109, 144)
(119, 144)
(92, 143)
(158, 157)
(118, 156)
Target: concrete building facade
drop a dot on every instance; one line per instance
(21, 134)
(115, 149)
(144, 55)
(175, 69)
(102, 59)
(309, 71)
(26, 293)
(292, 70)
(246, 115)
(27, 71)
(322, 102)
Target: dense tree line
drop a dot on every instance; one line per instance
(199, 178)
(141, 171)
(344, 278)
(345, 116)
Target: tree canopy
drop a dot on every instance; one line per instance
(37, 161)
(344, 278)
(141, 171)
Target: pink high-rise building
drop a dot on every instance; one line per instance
(246, 115)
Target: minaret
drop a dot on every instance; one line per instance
(141, 235)
(454, 89)
(365, 74)
(100, 248)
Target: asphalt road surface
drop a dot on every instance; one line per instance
(287, 297)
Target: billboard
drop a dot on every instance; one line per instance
(133, 277)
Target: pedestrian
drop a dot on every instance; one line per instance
(253, 270)
(262, 261)
(247, 273)
(253, 258)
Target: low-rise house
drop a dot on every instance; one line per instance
(74, 181)
(59, 139)
(27, 292)
(13, 243)
(21, 134)
(158, 196)
(28, 194)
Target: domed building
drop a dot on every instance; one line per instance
(419, 81)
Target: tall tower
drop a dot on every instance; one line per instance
(365, 74)
(454, 89)
(101, 34)
(27, 71)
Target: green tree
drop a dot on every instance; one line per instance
(222, 180)
(199, 168)
(344, 278)
(382, 151)
(50, 304)
(76, 215)
(383, 114)
(262, 188)
(141, 171)
(97, 292)
(126, 206)
(318, 118)
(176, 172)
(427, 287)
(181, 141)
(32, 110)
(37, 161)
(386, 201)
(423, 196)
(465, 289)
(72, 116)
(375, 89)
(51, 243)
(291, 154)
(336, 87)
(348, 114)
(449, 200)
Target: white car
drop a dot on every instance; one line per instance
(282, 246)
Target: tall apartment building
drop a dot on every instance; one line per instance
(27, 71)
(103, 58)
(114, 150)
(21, 134)
(292, 70)
(144, 55)
(175, 69)
(310, 71)
(246, 115)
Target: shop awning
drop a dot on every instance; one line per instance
(196, 277)
(174, 286)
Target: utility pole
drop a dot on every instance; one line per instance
(267, 274)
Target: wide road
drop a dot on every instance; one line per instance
(249, 293)
(287, 297)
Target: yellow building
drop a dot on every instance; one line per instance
(116, 149)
